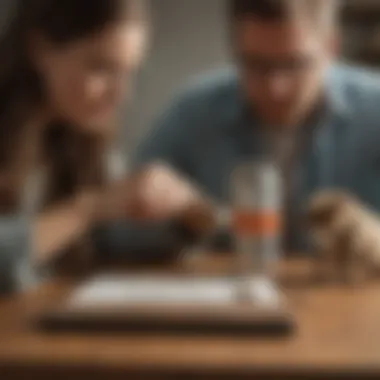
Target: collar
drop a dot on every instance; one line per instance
(335, 92)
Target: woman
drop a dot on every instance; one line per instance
(64, 69)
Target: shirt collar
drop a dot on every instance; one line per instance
(335, 92)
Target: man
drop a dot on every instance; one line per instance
(287, 97)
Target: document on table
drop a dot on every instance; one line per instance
(121, 290)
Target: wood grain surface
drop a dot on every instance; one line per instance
(338, 336)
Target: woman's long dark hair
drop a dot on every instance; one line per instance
(75, 159)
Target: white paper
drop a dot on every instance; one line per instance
(264, 292)
(106, 290)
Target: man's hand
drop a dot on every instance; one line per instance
(158, 192)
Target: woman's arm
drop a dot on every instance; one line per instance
(29, 242)
(55, 229)
(15, 246)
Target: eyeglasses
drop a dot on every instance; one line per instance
(266, 67)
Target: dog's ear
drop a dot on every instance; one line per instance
(319, 217)
(324, 206)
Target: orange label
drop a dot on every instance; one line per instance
(250, 223)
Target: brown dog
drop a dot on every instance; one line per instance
(345, 235)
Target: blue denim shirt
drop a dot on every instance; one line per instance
(206, 131)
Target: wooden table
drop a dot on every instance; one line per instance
(338, 336)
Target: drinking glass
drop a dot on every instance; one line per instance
(256, 209)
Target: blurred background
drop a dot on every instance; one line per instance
(191, 37)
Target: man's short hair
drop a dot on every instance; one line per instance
(280, 10)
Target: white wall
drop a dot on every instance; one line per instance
(190, 37)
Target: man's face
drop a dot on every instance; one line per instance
(282, 65)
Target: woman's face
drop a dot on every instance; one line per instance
(87, 79)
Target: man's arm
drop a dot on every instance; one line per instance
(170, 143)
